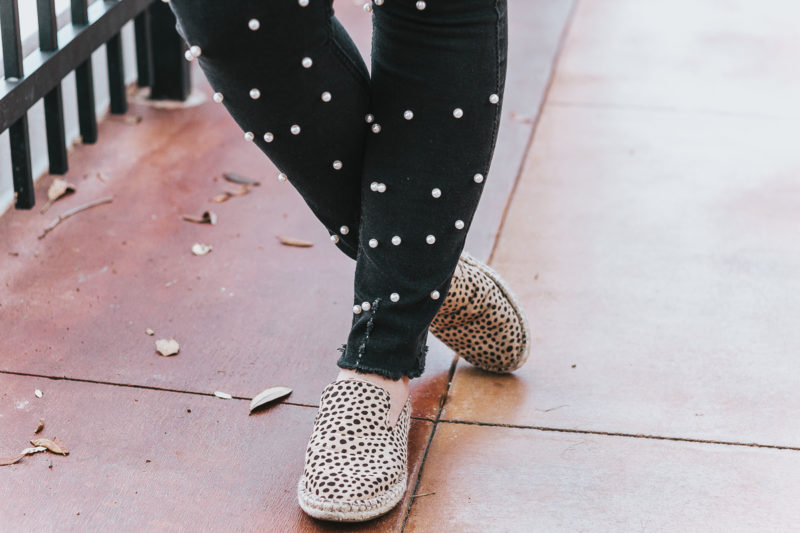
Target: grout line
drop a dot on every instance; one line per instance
(165, 389)
(620, 434)
(450, 375)
(544, 101)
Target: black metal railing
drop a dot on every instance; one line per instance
(29, 79)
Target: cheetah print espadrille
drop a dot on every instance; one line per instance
(356, 462)
(481, 320)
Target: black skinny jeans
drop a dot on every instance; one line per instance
(393, 164)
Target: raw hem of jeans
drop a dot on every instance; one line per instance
(385, 372)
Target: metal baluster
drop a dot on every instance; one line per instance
(170, 70)
(53, 101)
(18, 132)
(116, 75)
(84, 81)
(144, 52)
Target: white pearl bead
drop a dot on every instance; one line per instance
(459, 224)
(493, 98)
(408, 115)
(381, 187)
(368, 7)
(366, 306)
(334, 239)
(394, 297)
(195, 50)
(188, 55)
(436, 193)
(378, 2)
(430, 239)
(307, 62)
(376, 128)
(344, 230)
(255, 94)
(478, 178)
(357, 309)
(254, 24)
(337, 165)
(303, 3)
(435, 295)
(421, 5)
(373, 186)
(326, 96)
(396, 240)
(373, 243)
(282, 177)
(217, 97)
(295, 129)
(269, 137)
(369, 119)
(248, 136)
(458, 112)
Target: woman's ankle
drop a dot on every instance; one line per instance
(398, 389)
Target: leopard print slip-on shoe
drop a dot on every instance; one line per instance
(481, 319)
(356, 462)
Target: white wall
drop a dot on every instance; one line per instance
(36, 126)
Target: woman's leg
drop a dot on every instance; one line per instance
(292, 79)
(438, 73)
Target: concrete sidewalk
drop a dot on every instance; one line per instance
(651, 233)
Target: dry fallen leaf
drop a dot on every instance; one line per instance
(223, 395)
(201, 249)
(54, 445)
(150, 332)
(208, 217)
(289, 241)
(244, 189)
(57, 189)
(37, 393)
(233, 177)
(167, 347)
(264, 397)
(5, 461)
(40, 427)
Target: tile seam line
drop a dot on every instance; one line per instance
(165, 389)
(613, 106)
(535, 126)
(450, 376)
(622, 434)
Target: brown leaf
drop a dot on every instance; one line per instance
(201, 249)
(167, 347)
(226, 195)
(208, 217)
(54, 445)
(40, 427)
(268, 395)
(57, 189)
(233, 177)
(288, 241)
(5, 461)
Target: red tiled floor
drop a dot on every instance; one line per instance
(722, 55)
(139, 461)
(508, 480)
(656, 253)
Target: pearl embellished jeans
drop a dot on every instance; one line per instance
(392, 163)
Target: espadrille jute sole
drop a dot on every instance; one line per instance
(512, 300)
(358, 511)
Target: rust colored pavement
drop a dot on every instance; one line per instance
(650, 228)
